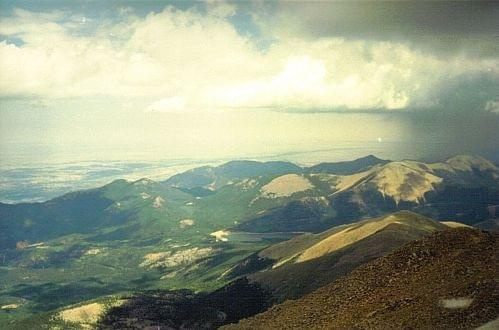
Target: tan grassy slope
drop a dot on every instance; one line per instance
(410, 181)
(362, 230)
(338, 251)
(447, 280)
(311, 246)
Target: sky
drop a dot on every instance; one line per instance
(98, 80)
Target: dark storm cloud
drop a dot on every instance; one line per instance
(468, 93)
(438, 136)
(438, 26)
(461, 122)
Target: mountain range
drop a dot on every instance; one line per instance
(241, 229)
(272, 196)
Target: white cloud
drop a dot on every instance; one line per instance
(165, 53)
(187, 61)
(334, 73)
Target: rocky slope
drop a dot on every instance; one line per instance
(447, 280)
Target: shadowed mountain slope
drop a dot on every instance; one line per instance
(117, 203)
(348, 167)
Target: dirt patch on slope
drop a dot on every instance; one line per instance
(286, 185)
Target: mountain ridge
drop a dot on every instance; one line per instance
(306, 262)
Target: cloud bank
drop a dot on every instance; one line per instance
(184, 60)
